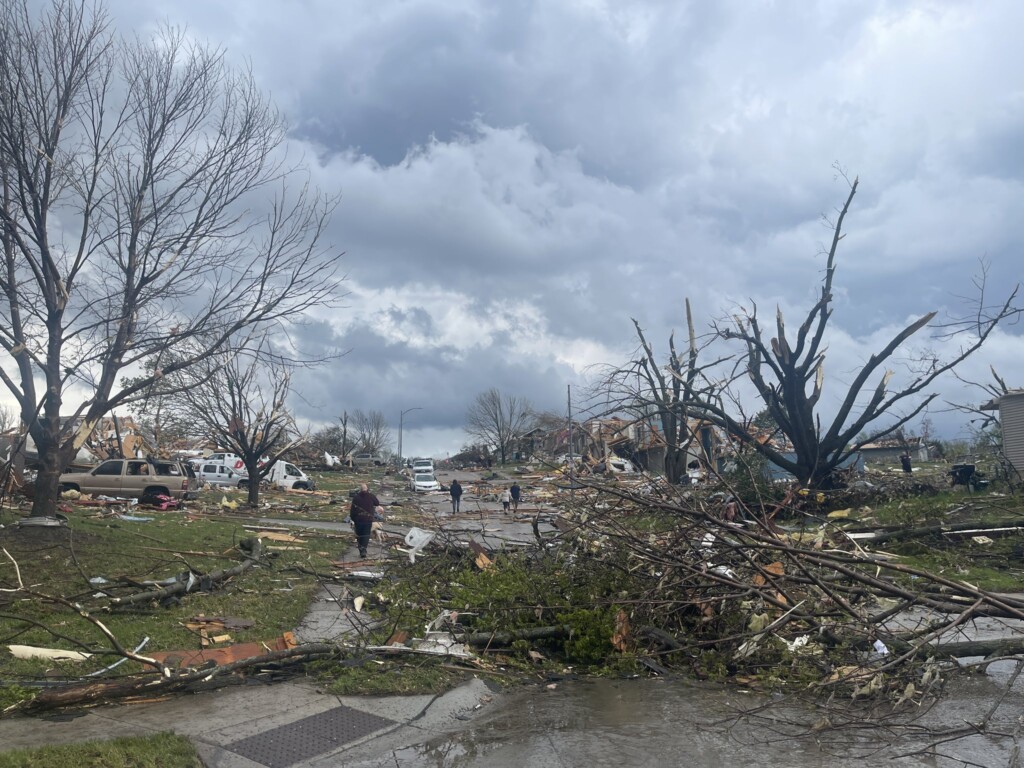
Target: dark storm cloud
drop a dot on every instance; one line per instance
(521, 178)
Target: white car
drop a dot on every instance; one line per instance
(421, 482)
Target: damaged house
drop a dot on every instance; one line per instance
(641, 441)
(113, 437)
(889, 451)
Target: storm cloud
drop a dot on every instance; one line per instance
(519, 179)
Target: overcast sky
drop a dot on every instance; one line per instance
(520, 178)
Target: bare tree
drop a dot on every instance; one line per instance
(372, 433)
(787, 372)
(239, 400)
(133, 174)
(498, 420)
(662, 396)
(333, 439)
(8, 418)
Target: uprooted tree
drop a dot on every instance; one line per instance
(147, 214)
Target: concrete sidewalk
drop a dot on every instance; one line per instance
(285, 725)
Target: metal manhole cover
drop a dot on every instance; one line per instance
(311, 736)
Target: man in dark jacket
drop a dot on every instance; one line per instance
(456, 491)
(364, 507)
(516, 492)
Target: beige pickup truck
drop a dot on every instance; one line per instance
(135, 478)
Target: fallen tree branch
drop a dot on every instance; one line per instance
(183, 587)
(151, 684)
(504, 638)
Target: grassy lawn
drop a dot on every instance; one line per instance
(164, 750)
(69, 563)
(996, 566)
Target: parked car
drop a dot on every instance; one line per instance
(135, 478)
(367, 460)
(421, 482)
(217, 473)
(423, 465)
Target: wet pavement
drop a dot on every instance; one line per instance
(589, 724)
(602, 723)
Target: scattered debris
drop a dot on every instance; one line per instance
(51, 654)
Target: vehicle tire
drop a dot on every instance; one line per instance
(154, 491)
(301, 487)
(243, 483)
(67, 487)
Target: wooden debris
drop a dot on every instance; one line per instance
(483, 562)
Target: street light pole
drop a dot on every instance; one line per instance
(401, 419)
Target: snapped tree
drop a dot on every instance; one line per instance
(498, 420)
(334, 439)
(663, 398)
(787, 371)
(146, 214)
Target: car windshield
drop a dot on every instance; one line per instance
(424, 478)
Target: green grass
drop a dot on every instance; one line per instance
(58, 562)
(996, 567)
(388, 677)
(164, 750)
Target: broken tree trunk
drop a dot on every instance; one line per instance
(924, 531)
(78, 694)
(182, 587)
(503, 638)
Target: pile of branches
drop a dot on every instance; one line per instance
(706, 584)
(806, 613)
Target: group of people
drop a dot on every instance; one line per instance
(509, 497)
(366, 509)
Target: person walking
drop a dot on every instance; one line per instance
(905, 463)
(456, 492)
(364, 508)
(515, 491)
(506, 500)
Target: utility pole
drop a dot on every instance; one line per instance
(401, 419)
(572, 463)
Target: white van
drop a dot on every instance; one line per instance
(422, 466)
(287, 476)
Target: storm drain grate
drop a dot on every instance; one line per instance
(311, 736)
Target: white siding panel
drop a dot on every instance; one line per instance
(1011, 416)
